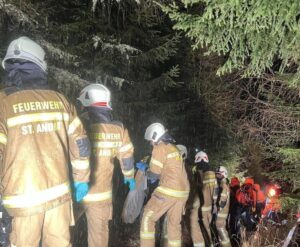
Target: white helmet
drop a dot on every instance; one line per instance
(95, 95)
(24, 48)
(201, 156)
(182, 150)
(154, 132)
(223, 171)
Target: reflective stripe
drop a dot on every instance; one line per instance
(208, 181)
(206, 209)
(73, 126)
(172, 155)
(36, 198)
(209, 175)
(199, 245)
(196, 204)
(125, 148)
(80, 164)
(174, 243)
(222, 215)
(103, 152)
(3, 138)
(157, 163)
(146, 222)
(224, 195)
(128, 173)
(173, 193)
(107, 144)
(225, 242)
(147, 235)
(37, 117)
(98, 196)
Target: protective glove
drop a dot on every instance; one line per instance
(131, 182)
(80, 190)
(142, 166)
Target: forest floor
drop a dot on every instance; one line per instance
(127, 235)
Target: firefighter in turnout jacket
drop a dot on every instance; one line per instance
(40, 135)
(183, 152)
(109, 140)
(205, 202)
(222, 201)
(172, 192)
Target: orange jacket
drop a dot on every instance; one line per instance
(272, 204)
(246, 196)
(260, 196)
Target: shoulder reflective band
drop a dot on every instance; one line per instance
(220, 215)
(96, 197)
(3, 138)
(107, 144)
(36, 198)
(74, 125)
(125, 148)
(129, 173)
(80, 164)
(173, 155)
(175, 243)
(205, 209)
(173, 193)
(157, 163)
(37, 117)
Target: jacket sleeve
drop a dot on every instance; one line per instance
(224, 195)
(79, 148)
(3, 136)
(125, 156)
(157, 160)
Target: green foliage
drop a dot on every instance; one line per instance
(290, 170)
(289, 203)
(251, 34)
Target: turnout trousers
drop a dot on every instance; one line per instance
(98, 216)
(196, 233)
(157, 206)
(221, 227)
(51, 227)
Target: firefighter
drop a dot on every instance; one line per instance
(260, 201)
(40, 134)
(222, 201)
(170, 196)
(208, 183)
(183, 152)
(109, 140)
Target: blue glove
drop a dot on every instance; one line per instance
(131, 182)
(142, 166)
(80, 190)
